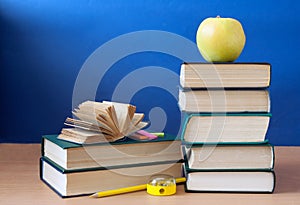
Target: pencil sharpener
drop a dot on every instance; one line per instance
(161, 185)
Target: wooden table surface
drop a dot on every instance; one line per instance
(20, 183)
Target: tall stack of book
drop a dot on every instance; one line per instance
(80, 162)
(226, 108)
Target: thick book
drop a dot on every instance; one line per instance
(126, 151)
(225, 75)
(229, 157)
(225, 128)
(230, 181)
(224, 100)
(80, 182)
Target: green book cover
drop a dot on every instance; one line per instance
(186, 156)
(188, 116)
(65, 171)
(186, 174)
(171, 165)
(67, 145)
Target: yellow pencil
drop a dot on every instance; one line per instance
(127, 189)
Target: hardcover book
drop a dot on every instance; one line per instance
(229, 157)
(225, 75)
(224, 101)
(127, 151)
(225, 128)
(230, 181)
(80, 182)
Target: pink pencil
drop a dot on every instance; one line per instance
(147, 134)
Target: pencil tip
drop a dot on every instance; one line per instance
(94, 195)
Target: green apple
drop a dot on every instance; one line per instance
(220, 39)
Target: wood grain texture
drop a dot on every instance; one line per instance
(20, 183)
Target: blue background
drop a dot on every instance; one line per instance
(45, 43)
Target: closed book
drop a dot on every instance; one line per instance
(224, 100)
(229, 157)
(80, 182)
(225, 127)
(225, 75)
(247, 181)
(75, 156)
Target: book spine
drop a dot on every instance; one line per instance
(275, 180)
(273, 157)
(186, 174)
(42, 146)
(51, 187)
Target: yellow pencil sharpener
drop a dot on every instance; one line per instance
(161, 185)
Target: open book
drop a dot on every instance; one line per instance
(102, 122)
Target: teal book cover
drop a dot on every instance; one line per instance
(242, 150)
(125, 151)
(80, 182)
(219, 124)
(126, 140)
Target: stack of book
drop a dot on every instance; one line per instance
(84, 159)
(226, 108)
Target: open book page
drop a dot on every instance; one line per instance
(124, 114)
(106, 119)
(91, 117)
(93, 109)
(113, 116)
(89, 126)
(96, 113)
(83, 136)
(96, 120)
(80, 133)
(137, 118)
(137, 127)
(92, 105)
